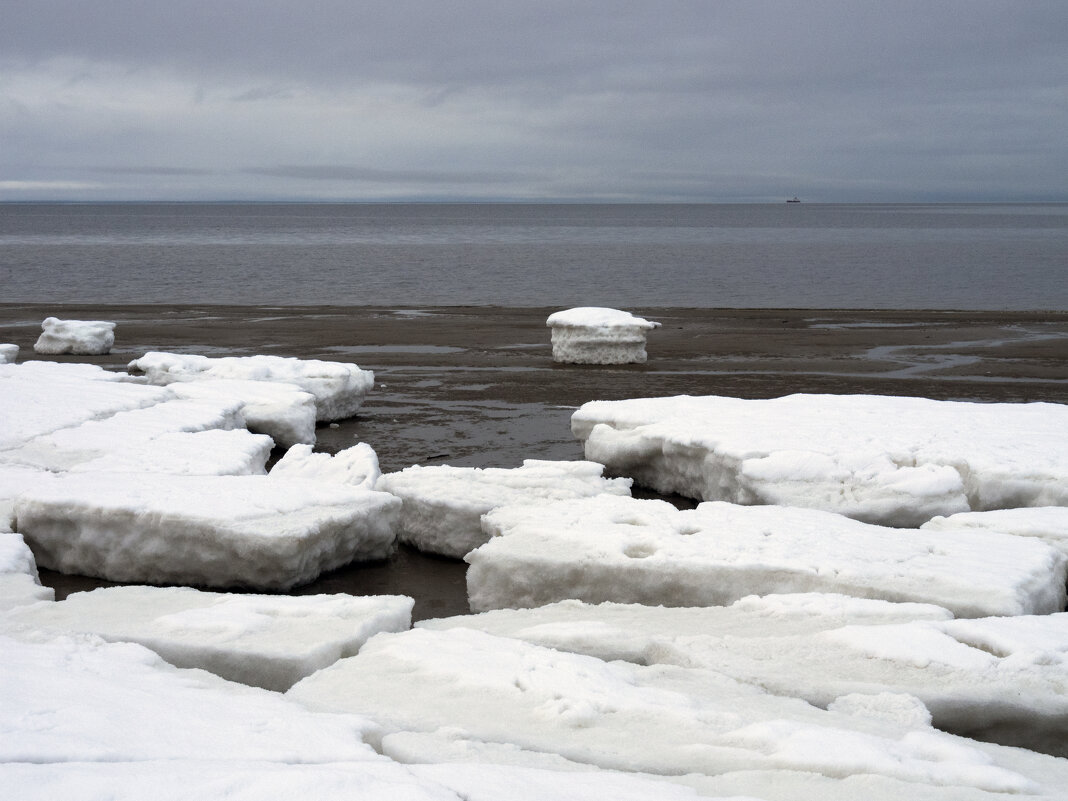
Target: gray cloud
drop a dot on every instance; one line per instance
(620, 100)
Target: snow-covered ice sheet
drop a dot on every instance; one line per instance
(891, 460)
(15, 479)
(443, 505)
(644, 634)
(269, 641)
(93, 337)
(339, 388)
(19, 582)
(8, 353)
(356, 466)
(1047, 523)
(658, 719)
(1001, 679)
(38, 398)
(608, 548)
(283, 412)
(217, 531)
(596, 335)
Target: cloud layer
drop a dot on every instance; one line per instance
(702, 101)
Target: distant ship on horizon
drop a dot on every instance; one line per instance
(794, 199)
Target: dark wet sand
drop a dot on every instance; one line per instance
(476, 386)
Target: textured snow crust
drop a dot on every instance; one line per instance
(443, 505)
(890, 460)
(626, 550)
(90, 337)
(1046, 523)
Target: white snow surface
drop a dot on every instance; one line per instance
(608, 548)
(19, 582)
(660, 719)
(93, 337)
(269, 641)
(356, 466)
(217, 531)
(1003, 678)
(338, 388)
(1047, 523)
(8, 353)
(892, 460)
(443, 505)
(283, 412)
(595, 335)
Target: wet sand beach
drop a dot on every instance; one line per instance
(476, 386)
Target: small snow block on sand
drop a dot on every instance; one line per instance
(94, 337)
(634, 551)
(19, 582)
(1047, 523)
(269, 641)
(595, 335)
(889, 460)
(339, 388)
(8, 353)
(443, 505)
(216, 531)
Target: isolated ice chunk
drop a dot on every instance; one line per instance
(8, 353)
(890, 460)
(1047, 523)
(93, 337)
(339, 388)
(443, 505)
(607, 548)
(356, 466)
(19, 582)
(37, 398)
(78, 699)
(269, 641)
(645, 634)
(217, 531)
(690, 721)
(595, 335)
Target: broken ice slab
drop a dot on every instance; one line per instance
(269, 641)
(999, 679)
(356, 466)
(216, 531)
(693, 722)
(443, 505)
(91, 337)
(626, 550)
(1046, 523)
(596, 335)
(284, 412)
(19, 582)
(338, 388)
(889, 460)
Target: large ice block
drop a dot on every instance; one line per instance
(90, 337)
(596, 335)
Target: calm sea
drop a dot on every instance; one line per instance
(799, 255)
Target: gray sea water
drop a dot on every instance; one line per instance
(788, 255)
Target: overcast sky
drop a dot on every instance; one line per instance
(534, 100)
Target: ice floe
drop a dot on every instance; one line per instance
(443, 505)
(19, 582)
(356, 466)
(338, 388)
(660, 719)
(269, 641)
(283, 412)
(8, 353)
(1001, 679)
(217, 531)
(90, 337)
(1047, 523)
(596, 335)
(891, 460)
(609, 548)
